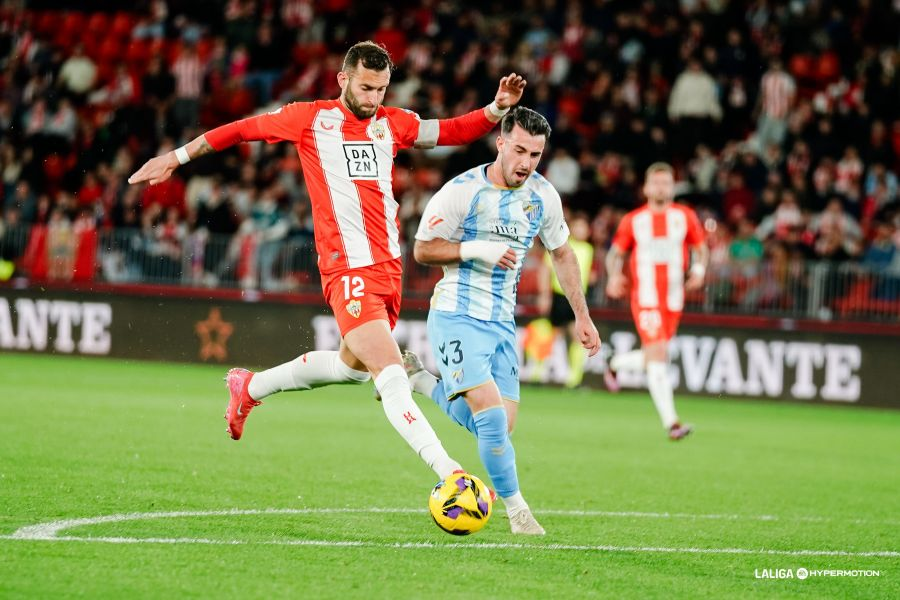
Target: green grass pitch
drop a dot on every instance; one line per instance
(628, 513)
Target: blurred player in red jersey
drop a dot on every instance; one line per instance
(347, 148)
(662, 237)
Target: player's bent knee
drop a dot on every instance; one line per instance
(483, 397)
(349, 374)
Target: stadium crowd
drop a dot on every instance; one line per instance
(782, 119)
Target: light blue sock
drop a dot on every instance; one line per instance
(496, 451)
(457, 410)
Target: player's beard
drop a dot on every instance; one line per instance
(355, 107)
(510, 177)
(659, 202)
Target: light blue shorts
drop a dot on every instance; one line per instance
(470, 352)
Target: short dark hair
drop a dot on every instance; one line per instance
(531, 121)
(372, 56)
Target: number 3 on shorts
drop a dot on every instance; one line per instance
(358, 286)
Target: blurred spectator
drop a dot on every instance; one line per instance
(267, 59)
(694, 107)
(738, 202)
(188, 72)
(776, 97)
(563, 172)
(746, 251)
(78, 73)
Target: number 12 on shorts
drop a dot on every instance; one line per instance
(354, 287)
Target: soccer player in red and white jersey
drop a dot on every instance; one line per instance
(662, 238)
(347, 148)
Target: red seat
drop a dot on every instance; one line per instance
(110, 51)
(801, 66)
(74, 22)
(138, 53)
(828, 68)
(47, 22)
(122, 25)
(98, 24)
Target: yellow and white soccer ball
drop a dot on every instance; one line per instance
(460, 504)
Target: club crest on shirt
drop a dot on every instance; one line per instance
(457, 375)
(377, 131)
(531, 210)
(354, 307)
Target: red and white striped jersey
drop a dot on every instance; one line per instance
(348, 163)
(777, 89)
(659, 242)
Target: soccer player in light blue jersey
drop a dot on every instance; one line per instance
(479, 227)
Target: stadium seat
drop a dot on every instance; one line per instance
(74, 22)
(122, 25)
(111, 51)
(828, 68)
(138, 53)
(98, 24)
(47, 22)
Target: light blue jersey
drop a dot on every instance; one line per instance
(470, 207)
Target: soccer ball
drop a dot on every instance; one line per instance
(460, 504)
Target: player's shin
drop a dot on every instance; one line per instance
(499, 456)
(660, 387)
(410, 423)
(310, 370)
(456, 409)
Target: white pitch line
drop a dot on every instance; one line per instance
(50, 531)
(458, 546)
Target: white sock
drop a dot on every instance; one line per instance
(628, 361)
(410, 423)
(514, 503)
(313, 369)
(423, 382)
(660, 387)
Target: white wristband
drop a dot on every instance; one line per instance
(698, 270)
(483, 250)
(496, 110)
(182, 155)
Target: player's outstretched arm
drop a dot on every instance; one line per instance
(472, 126)
(565, 263)
(159, 168)
(283, 124)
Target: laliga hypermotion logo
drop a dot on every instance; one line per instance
(354, 307)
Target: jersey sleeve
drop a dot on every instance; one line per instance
(444, 214)
(624, 237)
(285, 124)
(695, 234)
(406, 126)
(554, 231)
